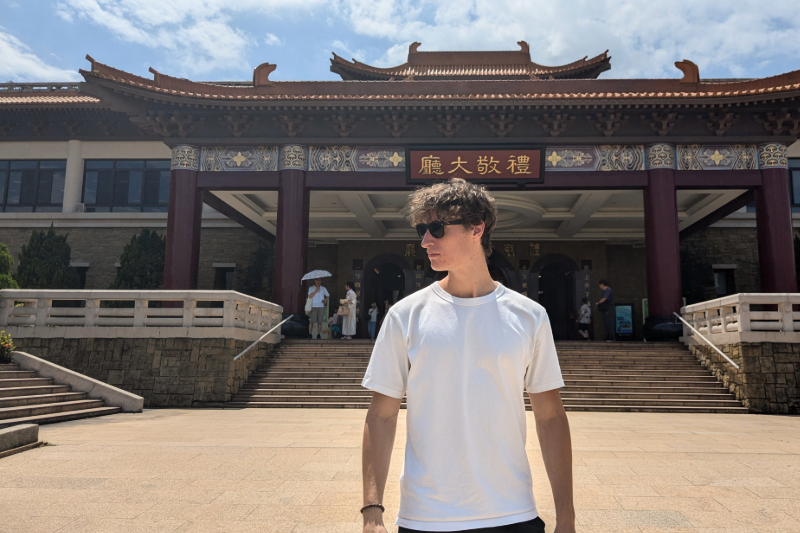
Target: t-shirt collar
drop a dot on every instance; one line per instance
(444, 295)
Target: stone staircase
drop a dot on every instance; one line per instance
(621, 376)
(26, 398)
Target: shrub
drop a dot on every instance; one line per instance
(141, 265)
(6, 347)
(6, 281)
(256, 279)
(44, 262)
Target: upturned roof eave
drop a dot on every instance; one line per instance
(416, 100)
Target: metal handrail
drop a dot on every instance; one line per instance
(679, 317)
(267, 333)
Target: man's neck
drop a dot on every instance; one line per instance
(471, 282)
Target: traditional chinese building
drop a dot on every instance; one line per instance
(668, 188)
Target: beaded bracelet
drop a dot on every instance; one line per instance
(368, 506)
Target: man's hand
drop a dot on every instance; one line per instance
(376, 453)
(373, 521)
(552, 428)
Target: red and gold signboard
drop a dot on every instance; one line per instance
(485, 165)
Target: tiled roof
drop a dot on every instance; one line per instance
(39, 99)
(539, 90)
(470, 65)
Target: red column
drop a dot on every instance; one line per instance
(291, 241)
(774, 228)
(183, 231)
(662, 247)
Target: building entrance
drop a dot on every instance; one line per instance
(557, 296)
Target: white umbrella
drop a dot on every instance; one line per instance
(317, 274)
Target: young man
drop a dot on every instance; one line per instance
(319, 297)
(606, 306)
(464, 350)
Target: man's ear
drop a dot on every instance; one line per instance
(477, 231)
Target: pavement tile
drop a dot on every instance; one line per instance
(298, 471)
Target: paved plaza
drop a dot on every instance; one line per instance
(292, 470)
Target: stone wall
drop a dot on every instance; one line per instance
(165, 372)
(711, 246)
(767, 378)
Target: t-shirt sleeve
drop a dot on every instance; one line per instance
(387, 372)
(543, 372)
(325, 292)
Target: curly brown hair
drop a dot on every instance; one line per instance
(454, 199)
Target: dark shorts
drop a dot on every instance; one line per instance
(534, 526)
(583, 327)
(316, 315)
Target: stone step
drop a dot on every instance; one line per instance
(365, 399)
(32, 391)
(16, 374)
(42, 398)
(566, 394)
(643, 365)
(9, 367)
(60, 417)
(22, 411)
(24, 382)
(599, 408)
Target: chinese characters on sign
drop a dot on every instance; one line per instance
(535, 248)
(479, 165)
(419, 273)
(411, 250)
(586, 280)
(524, 276)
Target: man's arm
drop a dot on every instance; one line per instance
(379, 432)
(552, 427)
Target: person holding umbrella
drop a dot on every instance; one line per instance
(318, 297)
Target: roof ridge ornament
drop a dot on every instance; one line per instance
(412, 48)
(524, 47)
(691, 72)
(261, 74)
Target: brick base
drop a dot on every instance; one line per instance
(767, 378)
(165, 372)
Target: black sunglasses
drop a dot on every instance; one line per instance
(436, 228)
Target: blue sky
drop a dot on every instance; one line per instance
(46, 40)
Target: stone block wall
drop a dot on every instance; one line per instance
(767, 378)
(165, 372)
(711, 246)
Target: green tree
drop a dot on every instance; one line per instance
(141, 265)
(6, 281)
(44, 262)
(256, 279)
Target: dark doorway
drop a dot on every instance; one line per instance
(557, 296)
(388, 284)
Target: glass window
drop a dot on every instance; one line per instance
(27, 186)
(126, 185)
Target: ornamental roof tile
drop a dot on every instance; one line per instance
(37, 99)
(470, 66)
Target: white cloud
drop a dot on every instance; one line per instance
(272, 40)
(645, 38)
(20, 64)
(200, 35)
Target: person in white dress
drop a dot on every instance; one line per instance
(584, 319)
(349, 325)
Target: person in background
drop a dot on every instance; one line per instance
(335, 325)
(606, 306)
(319, 297)
(373, 320)
(584, 319)
(349, 326)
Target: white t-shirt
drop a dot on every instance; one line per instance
(586, 314)
(373, 315)
(464, 364)
(323, 293)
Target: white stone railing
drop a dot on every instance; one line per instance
(733, 319)
(154, 313)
